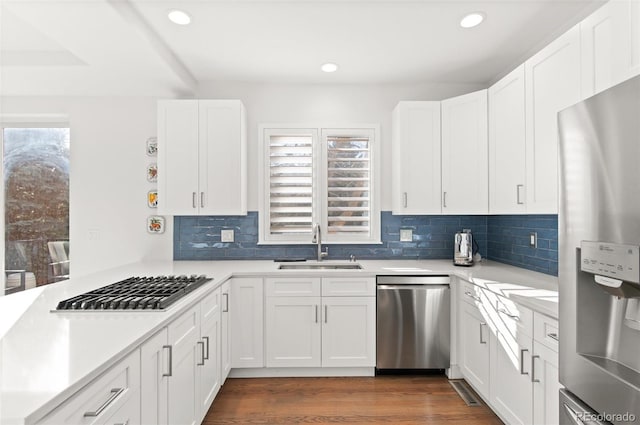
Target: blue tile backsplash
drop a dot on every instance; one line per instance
(501, 238)
(508, 241)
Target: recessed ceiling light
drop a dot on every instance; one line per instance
(329, 67)
(179, 17)
(472, 19)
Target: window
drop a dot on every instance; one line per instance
(319, 175)
(36, 205)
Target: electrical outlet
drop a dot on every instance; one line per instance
(226, 235)
(406, 235)
(533, 239)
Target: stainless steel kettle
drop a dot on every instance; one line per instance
(463, 248)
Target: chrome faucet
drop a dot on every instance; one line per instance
(317, 239)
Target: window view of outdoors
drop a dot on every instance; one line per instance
(36, 185)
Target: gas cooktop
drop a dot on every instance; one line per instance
(135, 293)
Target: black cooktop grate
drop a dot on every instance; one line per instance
(136, 293)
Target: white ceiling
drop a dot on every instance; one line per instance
(121, 47)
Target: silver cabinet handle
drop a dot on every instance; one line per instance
(553, 336)
(170, 373)
(469, 294)
(482, 341)
(518, 187)
(513, 316)
(226, 303)
(316, 313)
(123, 423)
(444, 199)
(206, 338)
(193, 200)
(115, 392)
(404, 199)
(326, 311)
(201, 344)
(573, 415)
(522, 351)
(201, 199)
(533, 368)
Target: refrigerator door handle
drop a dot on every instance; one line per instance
(573, 415)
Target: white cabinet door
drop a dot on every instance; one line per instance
(416, 177)
(223, 158)
(348, 331)
(552, 80)
(178, 140)
(610, 45)
(545, 385)
(293, 332)
(184, 392)
(465, 181)
(202, 157)
(247, 323)
(507, 149)
(225, 336)
(474, 347)
(155, 371)
(511, 390)
(209, 350)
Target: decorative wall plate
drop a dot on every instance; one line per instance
(152, 199)
(155, 224)
(152, 146)
(152, 172)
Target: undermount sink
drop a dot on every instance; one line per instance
(320, 266)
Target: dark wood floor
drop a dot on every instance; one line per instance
(401, 400)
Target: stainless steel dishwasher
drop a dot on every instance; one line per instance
(413, 322)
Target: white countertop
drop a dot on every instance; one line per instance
(47, 356)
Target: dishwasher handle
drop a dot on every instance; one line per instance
(424, 286)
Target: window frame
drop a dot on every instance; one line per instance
(320, 184)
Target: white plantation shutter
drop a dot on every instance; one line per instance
(309, 181)
(290, 184)
(348, 201)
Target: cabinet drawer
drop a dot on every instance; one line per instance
(470, 293)
(293, 287)
(348, 286)
(515, 316)
(545, 330)
(102, 398)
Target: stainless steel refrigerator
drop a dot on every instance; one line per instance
(599, 254)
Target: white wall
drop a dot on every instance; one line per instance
(325, 104)
(108, 185)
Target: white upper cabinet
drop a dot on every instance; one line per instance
(507, 149)
(416, 179)
(610, 46)
(465, 182)
(552, 81)
(202, 157)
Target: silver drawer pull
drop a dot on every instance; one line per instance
(207, 356)
(123, 423)
(226, 303)
(482, 341)
(522, 351)
(404, 199)
(553, 336)
(115, 392)
(469, 294)
(513, 316)
(533, 368)
(193, 200)
(201, 344)
(170, 373)
(326, 313)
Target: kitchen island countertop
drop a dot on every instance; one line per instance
(45, 356)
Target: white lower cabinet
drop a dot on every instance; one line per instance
(181, 366)
(508, 353)
(113, 395)
(247, 328)
(293, 332)
(320, 331)
(474, 346)
(225, 333)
